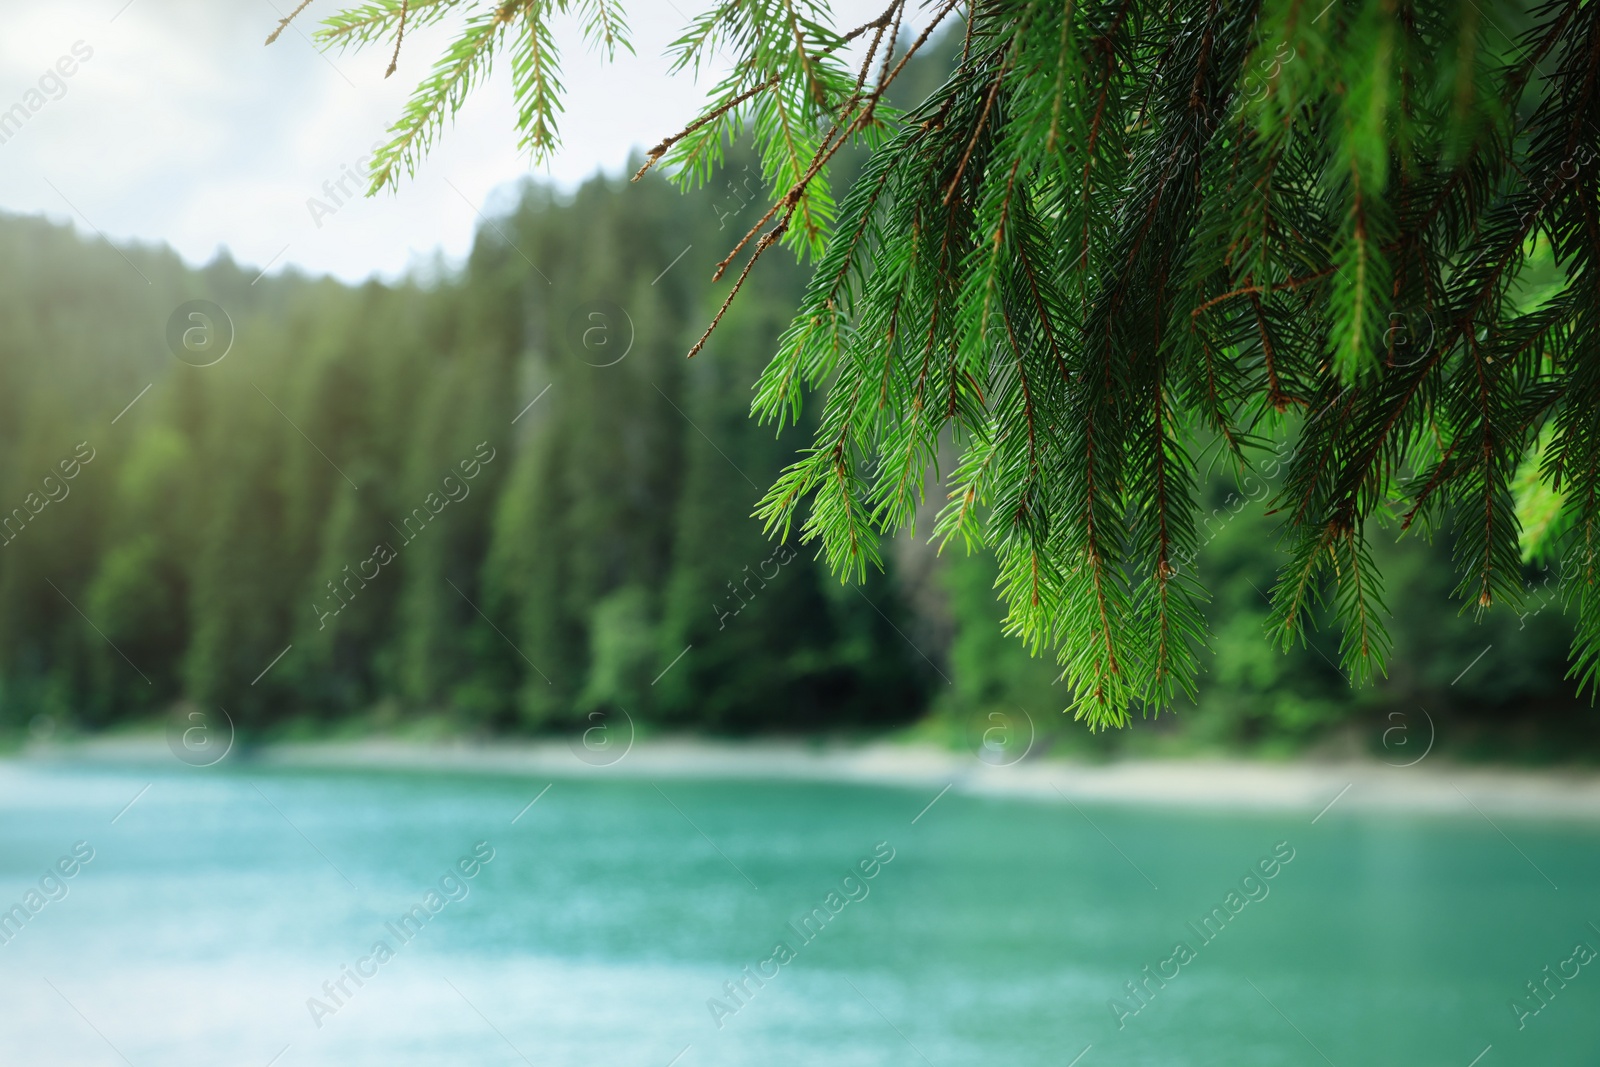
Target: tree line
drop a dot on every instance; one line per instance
(500, 497)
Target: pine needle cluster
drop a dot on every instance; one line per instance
(1125, 233)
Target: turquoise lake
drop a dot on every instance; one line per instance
(614, 912)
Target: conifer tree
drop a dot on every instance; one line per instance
(1121, 229)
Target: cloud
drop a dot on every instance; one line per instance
(185, 129)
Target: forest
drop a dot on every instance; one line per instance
(497, 498)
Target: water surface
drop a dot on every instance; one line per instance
(613, 913)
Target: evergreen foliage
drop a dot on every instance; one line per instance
(202, 535)
(1122, 234)
(233, 510)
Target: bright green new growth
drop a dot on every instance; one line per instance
(1123, 228)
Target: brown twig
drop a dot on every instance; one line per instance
(1291, 283)
(894, 35)
(793, 196)
(283, 23)
(761, 246)
(655, 154)
(394, 60)
(829, 146)
(762, 221)
(825, 151)
(917, 44)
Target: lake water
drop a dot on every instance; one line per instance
(612, 911)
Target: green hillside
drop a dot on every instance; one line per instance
(469, 499)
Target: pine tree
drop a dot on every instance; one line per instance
(1120, 229)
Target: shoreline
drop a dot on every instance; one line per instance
(1435, 787)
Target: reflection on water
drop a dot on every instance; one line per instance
(234, 916)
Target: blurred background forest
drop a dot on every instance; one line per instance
(601, 554)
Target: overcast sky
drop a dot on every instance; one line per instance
(181, 127)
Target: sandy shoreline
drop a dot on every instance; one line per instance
(1431, 786)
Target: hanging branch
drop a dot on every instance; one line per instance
(1062, 263)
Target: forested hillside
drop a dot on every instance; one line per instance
(362, 477)
(501, 497)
